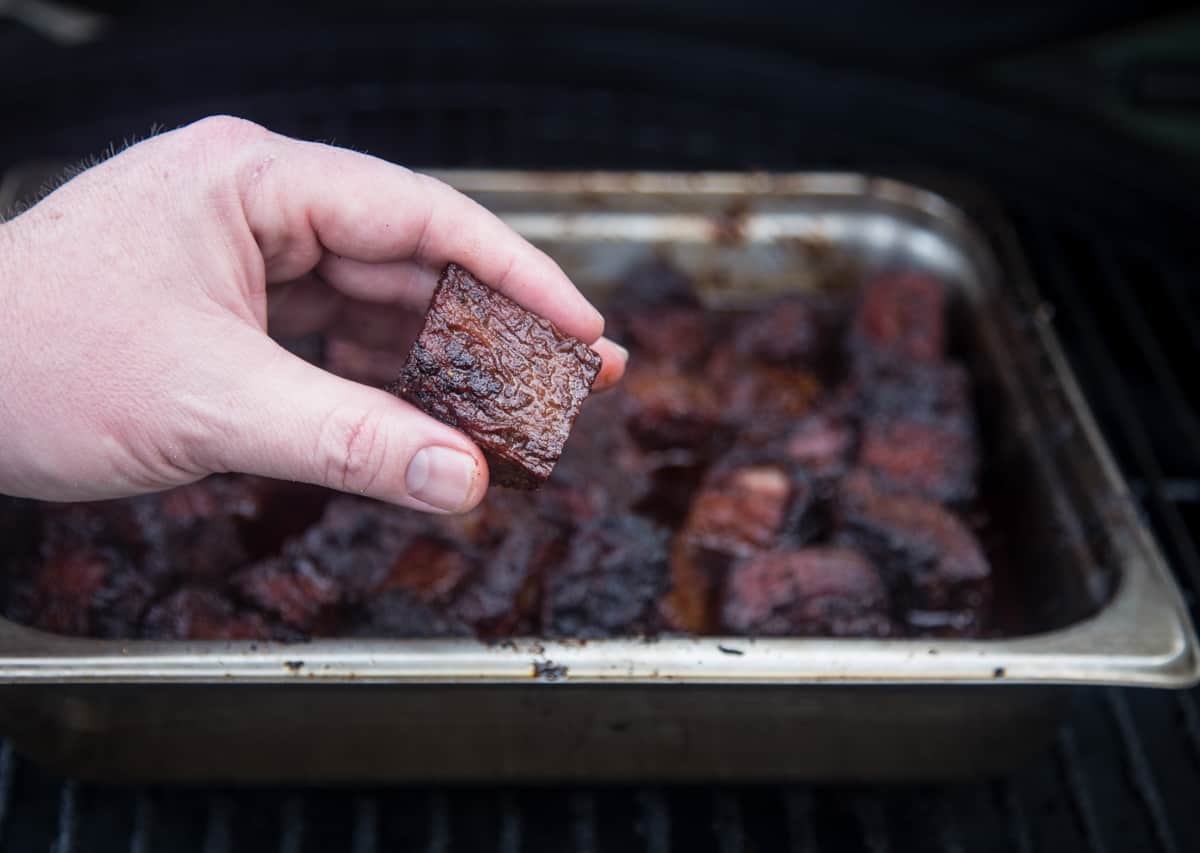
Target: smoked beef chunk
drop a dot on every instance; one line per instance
(932, 561)
(504, 376)
(741, 510)
(609, 582)
(833, 592)
(806, 468)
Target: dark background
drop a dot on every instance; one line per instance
(1082, 121)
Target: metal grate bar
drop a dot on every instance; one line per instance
(8, 765)
(872, 823)
(1143, 776)
(64, 841)
(798, 807)
(365, 837)
(1191, 718)
(291, 826)
(1126, 412)
(143, 818)
(218, 826)
(510, 824)
(1175, 289)
(1080, 793)
(727, 822)
(1009, 800)
(1135, 319)
(439, 823)
(583, 821)
(655, 820)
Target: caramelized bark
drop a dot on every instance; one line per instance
(504, 376)
(932, 560)
(607, 585)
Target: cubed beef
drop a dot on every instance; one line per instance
(834, 592)
(507, 378)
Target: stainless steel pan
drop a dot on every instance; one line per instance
(1090, 600)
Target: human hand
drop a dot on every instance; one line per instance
(135, 302)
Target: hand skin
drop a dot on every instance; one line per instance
(135, 302)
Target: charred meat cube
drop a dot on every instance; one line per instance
(744, 507)
(609, 581)
(397, 613)
(900, 316)
(669, 408)
(931, 559)
(602, 469)
(192, 530)
(197, 613)
(504, 376)
(790, 332)
(919, 432)
(86, 592)
(501, 598)
(752, 391)
(932, 459)
(771, 392)
(293, 590)
(833, 592)
(740, 511)
(356, 543)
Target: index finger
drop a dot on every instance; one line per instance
(367, 209)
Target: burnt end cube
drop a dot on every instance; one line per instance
(507, 378)
(901, 316)
(609, 581)
(669, 408)
(741, 510)
(197, 613)
(89, 592)
(823, 592)
(501, 598)
(932, 459)
(293, 590)
(930, 558)
(398, 614)
(791, 332)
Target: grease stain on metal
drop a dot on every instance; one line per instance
(548, 670)
(293, 666)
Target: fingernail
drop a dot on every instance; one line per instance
(441, 477)
(624, 352)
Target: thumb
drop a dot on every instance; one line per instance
(290, 420)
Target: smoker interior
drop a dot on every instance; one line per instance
(1108, 227)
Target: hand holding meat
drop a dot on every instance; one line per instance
(136, 300)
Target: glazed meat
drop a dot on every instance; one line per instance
(834, 592)
(504, 376)
(609, 582)
(807, 468)
(743, 508)
(932, 561)
(92, 591)
(901, 317)
(790, 332)
(667, 407)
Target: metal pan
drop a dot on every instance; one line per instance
(1089, 599)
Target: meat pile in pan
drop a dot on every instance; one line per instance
(801, 469)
